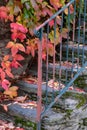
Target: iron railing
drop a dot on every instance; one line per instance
(69, 53)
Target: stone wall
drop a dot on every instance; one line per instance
(72, 115)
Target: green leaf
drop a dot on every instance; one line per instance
(23, 1)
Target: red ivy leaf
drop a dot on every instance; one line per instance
(6, 57)
(14, 50)
(51, 23)
(18, 27)
(43, 56)
(9, 73)
(2, 75)
(3, 12)
(10, 44)
(20, 47)
(15, 64)
(18, 57)
(5, 84)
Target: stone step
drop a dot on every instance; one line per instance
(23, 111)
(75, 46)
(32, 88)
(65, 117)
(64, 66)
(65, 114)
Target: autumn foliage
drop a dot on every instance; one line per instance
(24, 16)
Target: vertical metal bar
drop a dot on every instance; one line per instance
(67, 50)
(47, 66)
(39, 89)
(54, 57)
(67, 86)
(73, 39)
(84, 28)
(60, 52)
(79, 23)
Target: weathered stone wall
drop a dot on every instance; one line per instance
(72, 115)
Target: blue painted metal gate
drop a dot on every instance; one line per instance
(69, 53)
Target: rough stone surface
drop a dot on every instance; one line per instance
(74, 116)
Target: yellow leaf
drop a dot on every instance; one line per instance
(13, 88)
(11, 92)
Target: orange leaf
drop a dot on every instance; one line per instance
(14, 50)
(10, 44)
(6, 57)
(20, 47)
(55, 3)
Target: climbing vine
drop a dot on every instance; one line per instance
(24, 16)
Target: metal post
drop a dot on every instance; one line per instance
(39, 89)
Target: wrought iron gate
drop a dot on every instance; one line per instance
(69, 53)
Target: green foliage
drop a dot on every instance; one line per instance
(25, 124)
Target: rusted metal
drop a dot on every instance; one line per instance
(39, 90)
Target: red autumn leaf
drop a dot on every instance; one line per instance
(18, 57)
(71, 9)
(20, 47)
(5, 84)
(15, 47)
(43, 55)
(18, 35)
(49, 12)
(15, 64)
(6, 64)
(79, 90)
(14, 36)
(32, 51)
(10, 44)
(14, 50)
(11, 18)
(9, 73)
(3, 8)
(6, 57)
(18, 27)
(3, 12)
(28, 50)
(51, 23)
(2, 74)
(21, 36)
(19, 129)
(3, 15)
(18, 31)
(55, 3)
